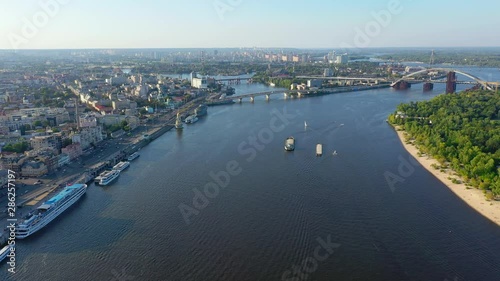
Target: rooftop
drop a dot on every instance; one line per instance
(67, 190)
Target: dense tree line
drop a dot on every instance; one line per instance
(19, 147)
(462, 130)
(116, 127)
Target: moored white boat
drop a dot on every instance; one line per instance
(133, 156)
(4, 252)
(191, 119)
(49, 210)
(108, 177)
(121, 166)
(201, 110)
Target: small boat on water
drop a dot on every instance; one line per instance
(201, 110)
(191, 119)
(319, 150)
(133, 156)
(290, 144)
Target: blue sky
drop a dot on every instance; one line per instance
(247, 23)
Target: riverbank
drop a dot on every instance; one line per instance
(473, 197)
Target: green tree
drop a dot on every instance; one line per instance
(19, 147)
(465, 132)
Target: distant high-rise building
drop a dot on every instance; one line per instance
(199, 83)
(327, 72)
(332, 57)
(342, 59)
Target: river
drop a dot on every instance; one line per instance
(271, 210)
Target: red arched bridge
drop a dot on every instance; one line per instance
(450, 81)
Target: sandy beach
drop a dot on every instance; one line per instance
(473, 197)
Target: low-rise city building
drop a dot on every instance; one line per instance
(12, 161)
(73, 151)
(199, 83)
(41, 142)
(50, 160)
(87, 137)
(63, 160)
(314, 83)
(34, 169)
(4, 178)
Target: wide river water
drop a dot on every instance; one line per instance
(276, 209)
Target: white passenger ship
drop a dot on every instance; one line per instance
(121, 166)
(133, 156)
(49, 210)
(108, 177)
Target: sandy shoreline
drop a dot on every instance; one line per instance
(473, 197)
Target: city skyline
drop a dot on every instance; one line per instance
(72, 24)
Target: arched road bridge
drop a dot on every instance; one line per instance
(487, 85)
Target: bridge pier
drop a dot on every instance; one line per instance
(428, 87)
(285, 95)
(252, 99)
(240, 100)
(451, 83)
(402, 85)
(268, 97)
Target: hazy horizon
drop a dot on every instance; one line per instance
(154, 24)
(265, 48)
